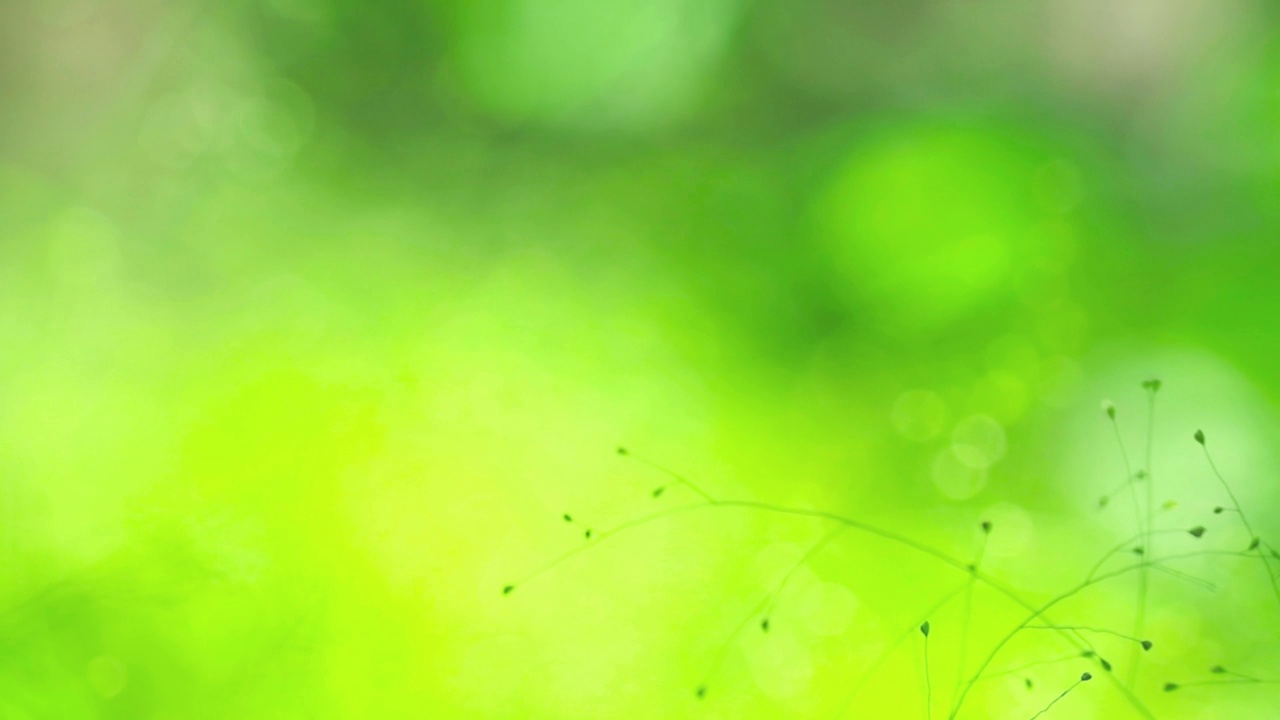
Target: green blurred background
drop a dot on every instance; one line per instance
(316, 315)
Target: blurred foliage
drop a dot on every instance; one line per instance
(317, 315)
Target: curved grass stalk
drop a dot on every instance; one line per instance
(1034, 664)
(1255, 543)
(888, 535)
(1043, 609)
(1144, 578)
(1084, 678)
(766, 604)
(884, 656)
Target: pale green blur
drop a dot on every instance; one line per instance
(316, 316)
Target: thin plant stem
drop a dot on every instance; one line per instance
(1148, 545)
(1083, 678)
(1033, 664)
(1256, 543)
(1041, 610)
(928, 683)
(884, 656)
(766, 604)
(963, 653)
(887, 535)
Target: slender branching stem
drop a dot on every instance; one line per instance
(963, 654)
(1146, 644)
(928, 682)
(884, 656)
(1034, 664)
(1083, 679)
(1144, 578)
(1040, 611)
(1128, 473)
(888, 535)
(1255, 543)
(766, 604)
(1126, 543)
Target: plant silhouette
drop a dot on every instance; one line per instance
(1141, 547)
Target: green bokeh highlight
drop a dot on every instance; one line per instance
(316, 317)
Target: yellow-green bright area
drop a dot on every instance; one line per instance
(318, 316)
